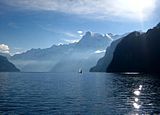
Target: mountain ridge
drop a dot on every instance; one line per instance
(53, 58)
(135, 52)
(6, 66)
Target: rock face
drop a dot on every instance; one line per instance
(138, 52)
(103, 63)
(6, 66)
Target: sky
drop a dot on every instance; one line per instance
(26, 24)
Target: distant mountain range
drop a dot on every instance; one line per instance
(136, 52)
(67, 57)
(6, 66)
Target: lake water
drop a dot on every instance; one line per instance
(85, 94)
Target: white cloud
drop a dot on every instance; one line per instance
(100, 51)
(4, 48)
(74, 37)
(80, 32)
(102, 9)
(70, 34)
(81, 35)
(71, 40)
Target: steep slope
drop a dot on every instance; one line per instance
(103, 63)
(6, 66)
(138, 53)
(5, 55)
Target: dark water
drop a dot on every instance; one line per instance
(86, 94)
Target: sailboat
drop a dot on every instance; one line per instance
(80, 71)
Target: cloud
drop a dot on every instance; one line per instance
(52, 30)
(80, 32)
(100, 51)
(70, 34)
(74, 37)
(71, 41)
(101, 9)
(4, 48)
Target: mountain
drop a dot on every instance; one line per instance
(7, 55)
(66, 57)
(84, 53)
(158, 25)
(6, 66)
(41, 60)
(115, 37)
(94, 41)
(138, 52)
(103, 63)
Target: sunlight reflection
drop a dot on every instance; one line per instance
(136, 102)
(137, 92)
(137, 106)
(136, 99)
(140, 87)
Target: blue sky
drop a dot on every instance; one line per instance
(26, 24)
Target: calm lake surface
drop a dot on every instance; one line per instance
(72, 93)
